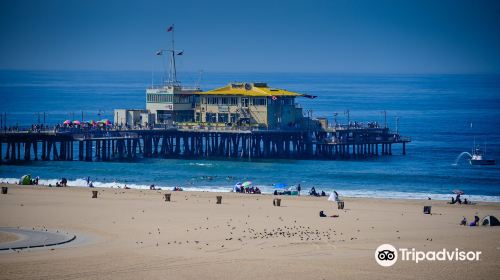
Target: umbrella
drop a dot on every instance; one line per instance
(77, 122)
(458, 192)
(25, 180)
(280, 186)
(237, 186)
(67, 122)
(246, 184)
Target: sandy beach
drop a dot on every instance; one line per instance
(135, 234)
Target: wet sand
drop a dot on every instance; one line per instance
(246, 237)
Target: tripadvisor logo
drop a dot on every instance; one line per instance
(387, 255)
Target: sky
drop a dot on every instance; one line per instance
(394, 37)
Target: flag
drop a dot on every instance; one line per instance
(181, 53)
(171, 28)
(159, 52)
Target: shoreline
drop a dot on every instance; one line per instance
(369, 194)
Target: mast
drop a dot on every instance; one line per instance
(173, 69)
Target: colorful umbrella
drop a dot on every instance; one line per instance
(67, 122)
(246, 184)
(77, 122)
(105, 121)
(280, 186)
(458, 192)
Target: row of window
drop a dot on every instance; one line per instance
(228, 101)
(220, 118)
(160, 98)
(169, 98)
(257, 101)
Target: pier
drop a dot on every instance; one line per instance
(339, 143)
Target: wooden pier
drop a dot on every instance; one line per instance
(122, 145)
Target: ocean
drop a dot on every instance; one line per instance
(443, 115)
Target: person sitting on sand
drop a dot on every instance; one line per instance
(476, 221)
(323, 193)
(463, 222)
(257, 190)
(322, 214)
(313, 192)
(152, 187)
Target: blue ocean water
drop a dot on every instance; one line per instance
(436, 111)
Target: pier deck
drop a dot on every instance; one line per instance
(114, 144)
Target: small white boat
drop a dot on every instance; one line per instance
(478, 158)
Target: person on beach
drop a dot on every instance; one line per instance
(313, 192)
(476, 221)
(298, 189)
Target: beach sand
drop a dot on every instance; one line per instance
(135, 234)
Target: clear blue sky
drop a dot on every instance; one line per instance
(247, 36)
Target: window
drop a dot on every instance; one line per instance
(223, 118)
(211, 117)
(224, 101)
(258, 101)
(233, 101)
(212, 100)
(244, 102)
(234, 117)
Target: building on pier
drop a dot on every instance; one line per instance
(171, 103)
(254, 104)
(133, 117)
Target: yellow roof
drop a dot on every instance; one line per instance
(249, 89)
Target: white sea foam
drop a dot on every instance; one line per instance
(365, 193)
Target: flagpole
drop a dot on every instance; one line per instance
(174, 70)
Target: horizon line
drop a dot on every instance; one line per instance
(260, 72)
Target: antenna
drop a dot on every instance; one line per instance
(173, 69)
(200, 77)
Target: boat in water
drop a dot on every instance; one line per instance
(478, 158)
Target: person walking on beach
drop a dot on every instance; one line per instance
(298, 189)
